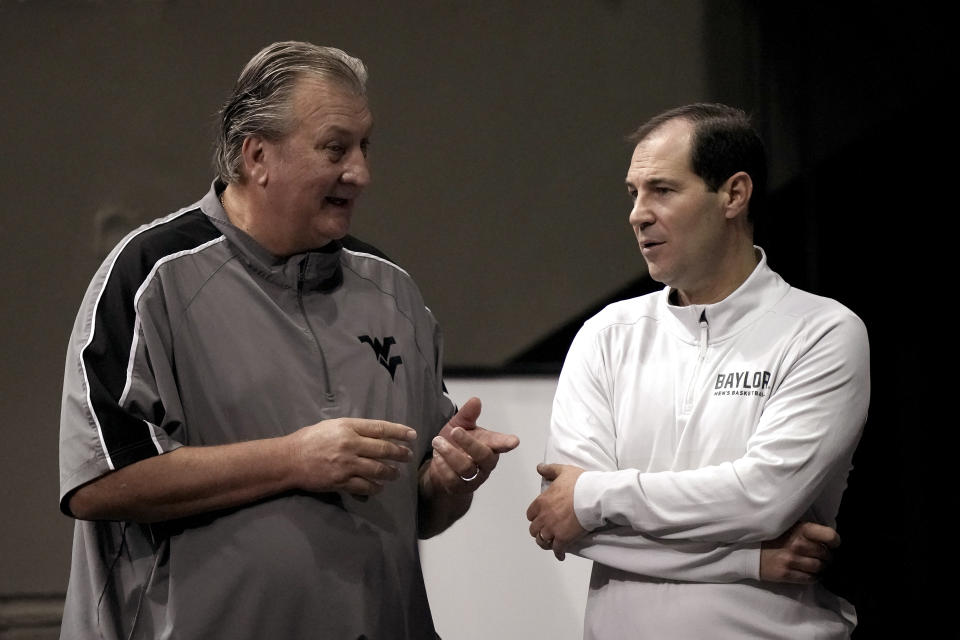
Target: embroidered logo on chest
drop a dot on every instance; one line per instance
(742, 383)
(382, 352)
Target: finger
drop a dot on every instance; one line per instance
(479, 453)
(533, 511)
(455, 457)
(559, 555)
(459, 481)
(548, 471)
(466, 417)
(375, 470)
(496, 441)
(447, 477)
(361, 486)
(801, 546)
(382, 450)
(536, 526)
(810, 566)
(382, 429)
(559, 545)
(820, 533)
(544, 540)
(813, 550)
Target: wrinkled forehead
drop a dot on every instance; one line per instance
(315, 97)
(313, 84)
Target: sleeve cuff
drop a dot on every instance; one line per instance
(600, 496)
(752, 556)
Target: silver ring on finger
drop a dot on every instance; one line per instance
(473, 477)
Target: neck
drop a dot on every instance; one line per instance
(730, 273)
(236, 205)
(244, 212)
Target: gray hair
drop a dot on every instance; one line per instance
(260, 102)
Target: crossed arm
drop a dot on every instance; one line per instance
(722, 522)
(799, 555)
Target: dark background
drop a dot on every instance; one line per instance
(859, 93)
(499, 160)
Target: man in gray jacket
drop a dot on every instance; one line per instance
(254, 430)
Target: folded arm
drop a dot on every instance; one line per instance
(707, 524)
(802, 445)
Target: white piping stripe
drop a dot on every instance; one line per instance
(370, 255)
(136, 306)
(152, 428)
(93, 324)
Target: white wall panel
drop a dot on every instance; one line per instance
(485, 576)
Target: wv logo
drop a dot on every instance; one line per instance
(382, 352)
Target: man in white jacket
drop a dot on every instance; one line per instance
(702, 435)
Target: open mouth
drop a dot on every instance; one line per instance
(337, 202)
(647, 245)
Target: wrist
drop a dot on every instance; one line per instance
(285, 456)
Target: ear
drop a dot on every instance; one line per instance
(254, 154)
(737, 191)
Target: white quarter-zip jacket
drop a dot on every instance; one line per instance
(704, 430)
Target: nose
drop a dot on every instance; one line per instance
(357, 170)
(641, 216)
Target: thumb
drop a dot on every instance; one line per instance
(820, 533)
(466, 417)
(548, 471)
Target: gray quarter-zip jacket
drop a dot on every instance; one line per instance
(192, 334)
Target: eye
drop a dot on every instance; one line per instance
(365, 148)
(662, 191)
(632, 193)
(335, 150)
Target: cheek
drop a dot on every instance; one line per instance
(323, 178)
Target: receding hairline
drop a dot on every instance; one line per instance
(689, 136)
(334, 86)
(643, 132)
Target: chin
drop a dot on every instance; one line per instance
(658, 275)
(334, 228)
(338, 234)
(331, 232)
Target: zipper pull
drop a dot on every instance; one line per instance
(704, 332)
(300, 276)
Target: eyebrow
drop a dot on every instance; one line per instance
(655, 181)
(337, 129)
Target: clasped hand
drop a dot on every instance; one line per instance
(553, 522)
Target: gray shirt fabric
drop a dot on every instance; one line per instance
(192, 334)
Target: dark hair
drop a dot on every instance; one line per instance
(723, 143)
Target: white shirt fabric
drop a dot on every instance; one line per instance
(704, 430)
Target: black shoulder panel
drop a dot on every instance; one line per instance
(105, 357)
